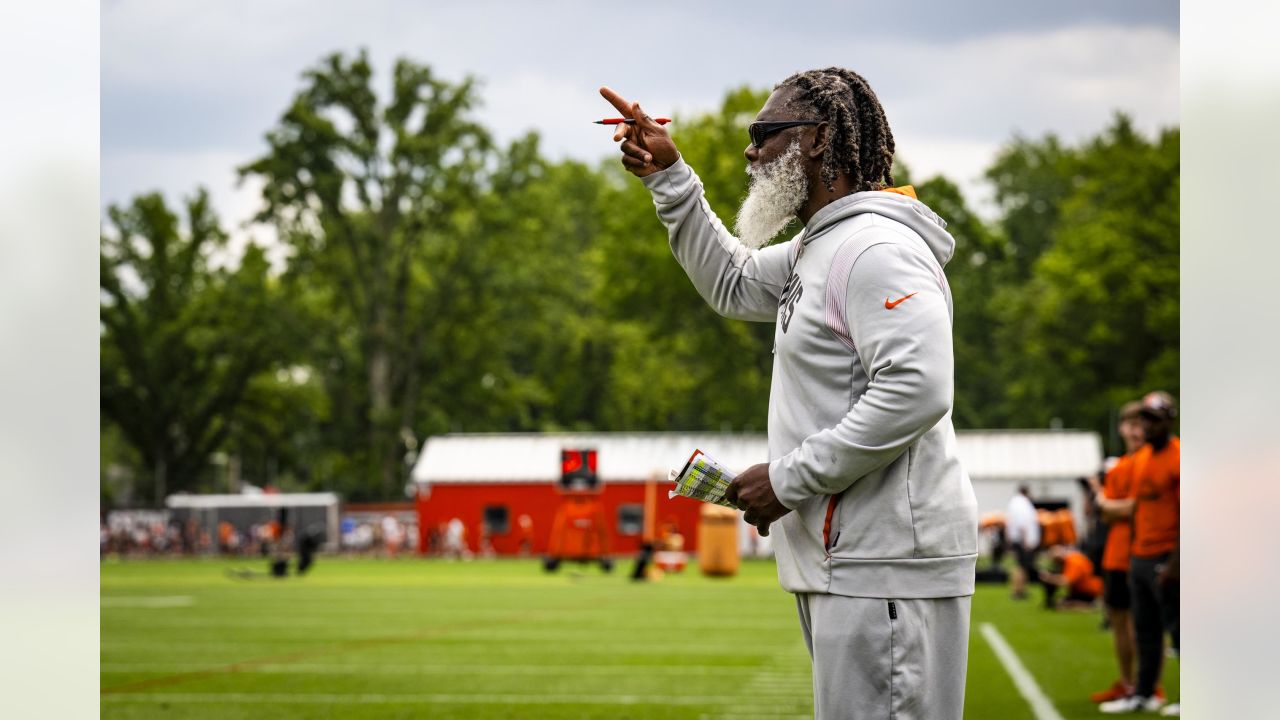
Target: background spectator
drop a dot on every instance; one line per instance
(1073, 571)
(1022, 530)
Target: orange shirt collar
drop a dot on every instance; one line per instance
(907, 190)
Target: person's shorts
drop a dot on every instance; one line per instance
(1026, 559)
(1115, 590)
(1083, 597)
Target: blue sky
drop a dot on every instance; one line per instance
(189, 89)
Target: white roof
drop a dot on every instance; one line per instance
(271, 500)
(535, 457)
(635, 457)
(1029, 454)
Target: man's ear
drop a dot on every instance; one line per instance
(821, 138)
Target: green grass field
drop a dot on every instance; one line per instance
(498, 639)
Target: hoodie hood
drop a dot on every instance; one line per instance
(897, 204)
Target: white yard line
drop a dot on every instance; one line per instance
(147, 601)
(414, 669)
(784, 677)
(1022, 679)
(421, 699)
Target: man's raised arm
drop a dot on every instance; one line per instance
(736, 281)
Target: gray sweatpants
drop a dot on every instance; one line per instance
(891, 659)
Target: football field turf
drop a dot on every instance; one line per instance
(501, 639)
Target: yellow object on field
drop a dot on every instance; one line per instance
(718, 541)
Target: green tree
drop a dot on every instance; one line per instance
(275, 434)
(181, 340)
(1097, 322)
(523, 349)
(545, 349)
(372, 198)
(438, 283)
(973, 278)
(1031, 179)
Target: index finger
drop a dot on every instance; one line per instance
(616, 100)
(731, 492)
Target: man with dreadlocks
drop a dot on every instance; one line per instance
(877, 520)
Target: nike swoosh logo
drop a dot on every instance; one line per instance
(891, 305)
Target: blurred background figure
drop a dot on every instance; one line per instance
(309, 541)
(486, 541)
(1152, 505)
(392, 536)
(361, 538)
(266, 537)
(1074, 573)
(992, 545)
(524, 525)
(1117, 485)
(455, 540)
(1095, 528)
(670, 555)
(1022, 531)
(228, 541)
(435, 539)
(191, 536)
(280, 536)
(347, 534)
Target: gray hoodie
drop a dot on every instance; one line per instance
(861, 445)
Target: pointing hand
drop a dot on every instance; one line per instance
(646, 145)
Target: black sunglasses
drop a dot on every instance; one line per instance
(760, 131)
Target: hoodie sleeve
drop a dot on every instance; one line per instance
(736, 281)
(899, 321)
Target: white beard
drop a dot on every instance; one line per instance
(776, 193)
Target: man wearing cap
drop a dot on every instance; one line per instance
(1153, 570)
(1115, 554)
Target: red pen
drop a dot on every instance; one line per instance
(629, 121)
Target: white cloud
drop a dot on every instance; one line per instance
(1068, 81)
(961, 161)
(177, 176)
(187, 86)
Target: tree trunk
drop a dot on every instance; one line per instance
(381, 433)
(161, 480)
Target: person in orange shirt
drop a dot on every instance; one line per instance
(1152, 505)
(1115, 554)
(1077, 576)
(225, 531)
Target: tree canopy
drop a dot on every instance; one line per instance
(181, 340)
(438, 282)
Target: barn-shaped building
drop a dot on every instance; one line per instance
(491, 479)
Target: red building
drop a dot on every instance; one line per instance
(491, 480)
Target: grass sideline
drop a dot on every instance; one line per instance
(409, 639)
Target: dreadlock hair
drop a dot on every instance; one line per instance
(861, 144)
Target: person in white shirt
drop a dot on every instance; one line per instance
(455, 539)
(1022, 530)
(392, 535)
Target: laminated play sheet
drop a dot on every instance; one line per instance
(703, 479)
